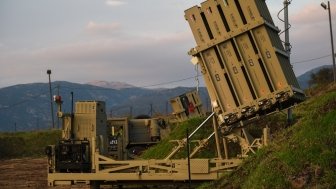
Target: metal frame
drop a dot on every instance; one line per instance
(109, 170)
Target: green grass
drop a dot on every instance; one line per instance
(26, 144)
(297, 151)
(165, 146)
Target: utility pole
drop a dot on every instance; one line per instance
(131, 111)
(151, 110)
(331, 37)
(288, 49)
(51, 101)
(37, 124)
(167, 107)
(287, 43)
(72, 103)
(58, 119)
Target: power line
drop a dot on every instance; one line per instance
(144, 86)
(169, 82)
(312, 59)
(193, 77)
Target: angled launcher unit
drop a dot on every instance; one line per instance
(245, 67)
(186, 106)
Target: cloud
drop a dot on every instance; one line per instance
(102, 28)
(310, 24)
(131, 48)
(310, 14)
(309, 36)
(115, 3)
(138, 60)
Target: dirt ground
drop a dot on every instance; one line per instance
(23, 173)
(26, 173)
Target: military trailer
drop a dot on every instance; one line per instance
(187, 105)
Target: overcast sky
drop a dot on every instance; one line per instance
(141, 42)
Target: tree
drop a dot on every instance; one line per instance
(322, 77)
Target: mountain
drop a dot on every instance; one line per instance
(111, 85)
(304, 78)
(27, 107)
